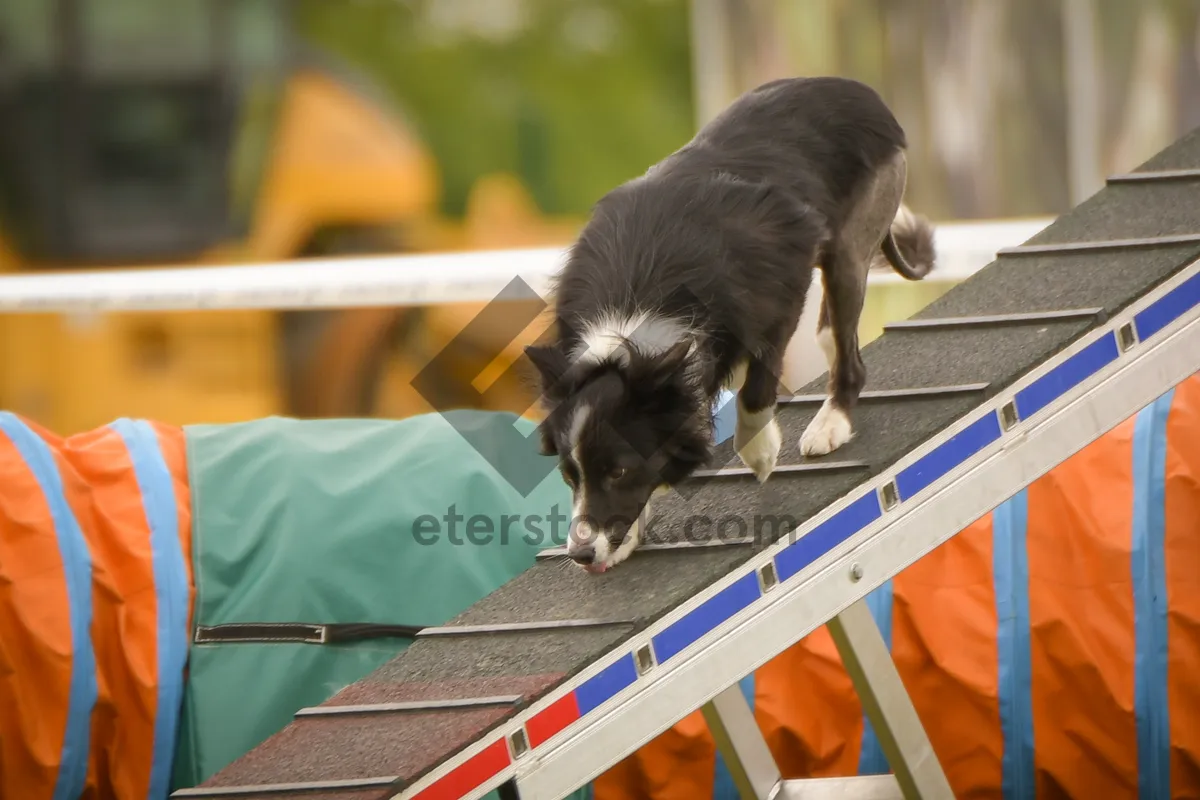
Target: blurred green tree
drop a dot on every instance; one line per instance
(574, 96)
(1013, 107)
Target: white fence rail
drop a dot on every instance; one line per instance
(399, 280)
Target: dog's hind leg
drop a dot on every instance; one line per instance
(825, 334)
(838, 337)
(844, 267)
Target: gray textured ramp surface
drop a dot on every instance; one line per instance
(500, 655)
(1055, 282)
(716, 511)
(918, 358)
(1127, 211)
(882, 429)
(553, 590)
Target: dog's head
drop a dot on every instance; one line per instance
(623, 427)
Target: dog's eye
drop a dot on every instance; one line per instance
(617, 473)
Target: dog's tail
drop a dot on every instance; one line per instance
(908, 246)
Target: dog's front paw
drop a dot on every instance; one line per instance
(759, 449)
(829, 430)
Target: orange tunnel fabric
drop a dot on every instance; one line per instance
(1181, 554)
(95, 602)
(36, 633)
(1052, 649)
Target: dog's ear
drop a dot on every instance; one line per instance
(551, 364)
(650, 373)
(546, 444)
(684, 453)
(672, 361)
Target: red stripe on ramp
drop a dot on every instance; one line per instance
(469, 775)
(552, 719)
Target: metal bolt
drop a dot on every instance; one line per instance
(856, 572)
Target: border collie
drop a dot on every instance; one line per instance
(692, 278)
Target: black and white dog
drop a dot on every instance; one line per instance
(692, 278)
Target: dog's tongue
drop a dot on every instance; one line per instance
(596, 569)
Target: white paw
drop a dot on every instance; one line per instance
(632, 539)
(829, 430)
(759, 449)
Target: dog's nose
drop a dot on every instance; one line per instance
(584, 554)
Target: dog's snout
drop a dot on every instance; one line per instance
(585, 554)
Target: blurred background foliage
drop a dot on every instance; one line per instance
(1013, 107)
(203, 131)
(571, 95)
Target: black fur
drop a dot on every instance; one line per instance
(910, 251)
(722, 235)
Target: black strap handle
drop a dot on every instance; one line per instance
(301, 632)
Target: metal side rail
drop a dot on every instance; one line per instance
(693, 655)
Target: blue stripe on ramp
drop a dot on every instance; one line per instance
(606, 684)
(704, 618)
(806, 549)
(948, 455)
(1168, 308)
(1067, 375)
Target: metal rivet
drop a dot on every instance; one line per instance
(889, 495)
(1126, 336)
(767, 576)
(1008, 415)
(518, 743)
(645, 659)
(856, 572)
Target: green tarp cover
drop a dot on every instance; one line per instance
(325, 522)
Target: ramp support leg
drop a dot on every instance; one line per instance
(887, 705)
(741, 744)
(917, 773)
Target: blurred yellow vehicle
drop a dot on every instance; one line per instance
(156, 132)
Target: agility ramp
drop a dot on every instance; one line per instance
(556, 676)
